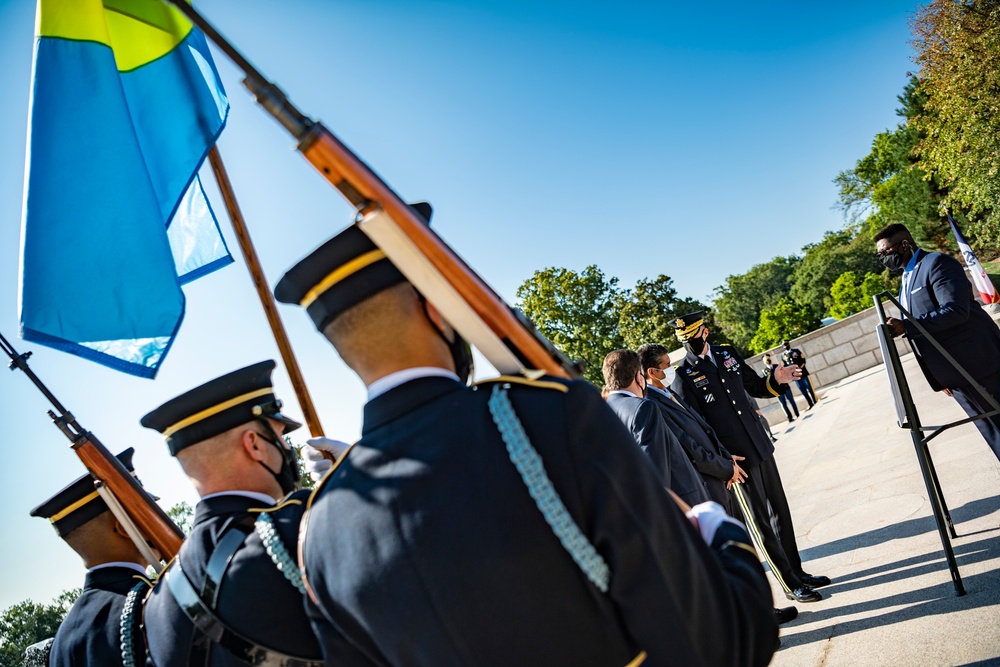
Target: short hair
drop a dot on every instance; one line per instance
(650, 355)
(620, 368)
(892, 231)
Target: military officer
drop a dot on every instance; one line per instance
(93, 631)
(233, 595)
(715, 381)
(427, 546)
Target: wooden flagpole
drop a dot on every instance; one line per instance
(264, 292)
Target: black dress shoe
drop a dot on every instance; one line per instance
(804, 594)
(814, 581)
(785, 614)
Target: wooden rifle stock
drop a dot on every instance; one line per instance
(506, 338)
(149, 517)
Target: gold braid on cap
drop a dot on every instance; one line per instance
(686, 331)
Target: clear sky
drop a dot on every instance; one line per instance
(646, 138)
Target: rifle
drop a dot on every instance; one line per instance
(504, 335)
(147, 519)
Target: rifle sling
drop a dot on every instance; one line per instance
(203, 616)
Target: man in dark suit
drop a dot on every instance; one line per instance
(938, 294)
(716, 465)
(715, 381)
(514, 522)
(233, 596)
(91, 633)
(625, 382)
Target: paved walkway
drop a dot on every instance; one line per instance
(862, 518)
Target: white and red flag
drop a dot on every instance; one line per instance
(979, 277)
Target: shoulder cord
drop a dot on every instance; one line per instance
(532, 470)
(127, 623)
(278, 552)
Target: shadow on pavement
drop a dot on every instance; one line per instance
(933, 600)
(904, 529)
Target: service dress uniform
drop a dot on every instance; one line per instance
(233, 595)
(719, 386)
(105, 612)
(426, 546)
(91, 633)
(257, 604)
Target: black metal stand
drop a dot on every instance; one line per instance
(907, 417)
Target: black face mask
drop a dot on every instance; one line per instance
(895, 261)
(696, 345)
(461, 352)
(288, 475)
(892, 261)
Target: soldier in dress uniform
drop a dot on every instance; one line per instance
(425, 545)
(233, 595)
(715, 381)
(103, 616)
(792, 356)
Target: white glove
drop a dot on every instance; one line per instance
(316, 463)
(709, 516)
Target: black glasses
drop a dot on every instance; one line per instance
(883, 253)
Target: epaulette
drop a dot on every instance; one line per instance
(525, 381)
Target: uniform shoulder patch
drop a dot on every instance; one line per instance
(550, 384)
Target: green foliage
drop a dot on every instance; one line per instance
(26, 623)
(850, 249)
(183, 515)
(784, 320)
(889, 184)
(305, 481)
(647, 309)
(957, 46)
(587, 315)
(851, 295)
(739, 303)
(578, 312)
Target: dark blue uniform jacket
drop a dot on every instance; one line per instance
(425, 547)
(255, 599)
(90, 633)
(719, 392)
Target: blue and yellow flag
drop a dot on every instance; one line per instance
(125, 104)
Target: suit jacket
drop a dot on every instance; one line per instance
(424, 547)
(719, 392)
(254, 598)
(940, 298)
(699, 441)
(90, 633)
(654, 436)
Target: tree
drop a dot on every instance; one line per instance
(738, 303)
(957, 46)
(783, 321)
(846, 295)
(27, 623)
(647, 309)
(183, 515)
(578, 312)
(851, 295)
(850, 249)
(890, 184)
